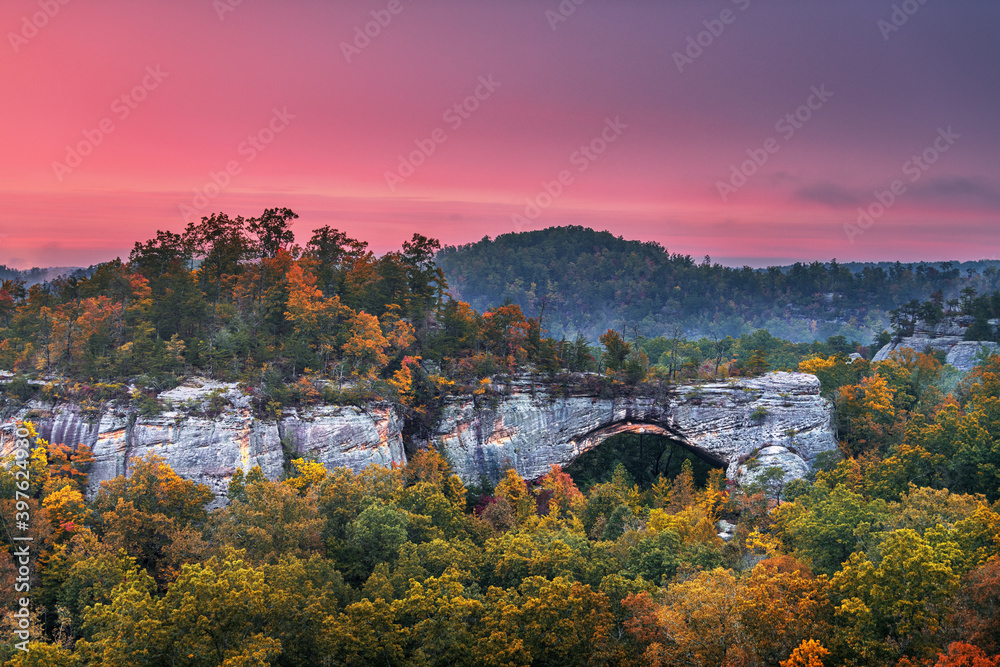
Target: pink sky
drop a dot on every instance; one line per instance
(337, 127)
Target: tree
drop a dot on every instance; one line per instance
(272, 231)
(375, 537)
(977, 609)
(782, 606)
(426, 280)
(365, 633)
(68, 466)
(223, 612)
(314, 319)
(895, 601)
(826, 526)
(695, 624)
(961, 654)
(504, 330)
(366, 346)
(221, 243)
(337, 256)
(868, 413)
(809, 653)
(459, 329)
(757, 363)
(92, 581)
(514, 491)
(443, 622)
(616, 350)
(566, 497)
(67, 510)
(147, 511)
(559, 622)
(307, 475)
(271, 521)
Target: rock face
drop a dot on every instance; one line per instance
(724, 423)
(948, 336)
(530, 428)
(792, 464)
(210, 449)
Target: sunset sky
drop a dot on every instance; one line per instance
(121, 118)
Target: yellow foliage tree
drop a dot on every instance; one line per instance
(809, 653)
(307, 474)
(513, 489)
(366, 347)
(67, 510)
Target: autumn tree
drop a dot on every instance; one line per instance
(366, 346)
(149, 510)
(314, 320)
(810, 653)
(977, 609)
(616, 350)
(270, 521)
(894, 602)
(222, 612)
(960, 654)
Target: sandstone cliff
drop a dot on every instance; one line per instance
(529, 426)
(210, 449)
(532, 429)
(948, 336)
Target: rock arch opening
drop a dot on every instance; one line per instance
(646, 450)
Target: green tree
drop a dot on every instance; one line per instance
(894, 602)
(616, 350)
(826, 526)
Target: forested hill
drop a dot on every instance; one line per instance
(589, 281)
(39, 275)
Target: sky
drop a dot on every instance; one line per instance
(754, 131)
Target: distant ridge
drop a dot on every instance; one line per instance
(588, 281)
(38, 275)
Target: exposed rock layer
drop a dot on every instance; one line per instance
(723, 422)
(949, 337)
(531, 427)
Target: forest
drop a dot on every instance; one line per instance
(236, 299)
(888, 554)
(585, 281)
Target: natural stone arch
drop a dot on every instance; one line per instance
(533, 426)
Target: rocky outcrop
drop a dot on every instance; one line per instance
(530, 425)
(792, 465)
(210, 449)
(725, 423)
(949, 337)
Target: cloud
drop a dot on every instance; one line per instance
(959, 190)
(829, 194)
